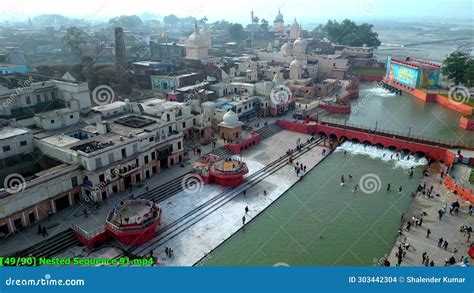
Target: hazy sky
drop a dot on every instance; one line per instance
(239, 11)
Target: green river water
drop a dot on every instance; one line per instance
(320, 222)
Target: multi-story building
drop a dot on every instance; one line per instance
(167, 51)
(67, 158)
(168, 83)
(26, 97)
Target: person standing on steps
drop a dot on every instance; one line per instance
(246, 209)
(243, 220)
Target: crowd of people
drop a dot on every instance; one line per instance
(417, 221)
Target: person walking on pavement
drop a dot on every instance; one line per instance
(440, 241)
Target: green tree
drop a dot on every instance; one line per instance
(127, 21)
(220, 25)
(264, 25)
(318, 32)
(171, 19)
(235, 31)
(348, 33)
(469, 74)
(87, 48)
(455, 67)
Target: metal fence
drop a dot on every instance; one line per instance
(399, 135)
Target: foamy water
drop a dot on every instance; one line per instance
(404, 161)
(379, 91)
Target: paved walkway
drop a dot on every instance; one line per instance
(199, 240)
(446, 228)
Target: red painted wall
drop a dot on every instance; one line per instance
(236, 148)
(466, 123)
(464, 193)
(433, 152)
(336, 109)
(429, 97)
(90, 243)
(370, 77)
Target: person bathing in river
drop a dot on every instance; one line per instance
(400, 189)
(356, 187)
(388, 187)
(342, 180)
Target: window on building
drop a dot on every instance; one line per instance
(28, 100)
(184, 124)
(6, 148)
(101, 178)
(23, 143)
(194, 121)
(240, 110)
(98, 162)
(146, 159)
(151, 139)
(111, 158)
(74, 181)
(167, 117)
(179, 145)
(170, 129)
(124, 153)
(46, 96)
(52, 121)
(135, 148)
(38, 98)
(71, 116)
(153, 155)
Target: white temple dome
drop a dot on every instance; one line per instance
(285, 49)
(296, 63)
(231, 118)
(279, 16)
(196, 39)
(298, 42)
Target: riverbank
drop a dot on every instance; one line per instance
(447, 228)
(214, 226)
